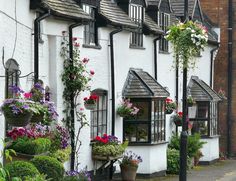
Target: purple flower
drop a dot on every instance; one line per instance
(38, 86)
(15, 89)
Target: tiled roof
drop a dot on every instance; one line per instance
(152, 25)
(154, 2)
(115, 15)
(178, 7)
(142, 85)
(200, 91)
(65, 8)
(212, 35)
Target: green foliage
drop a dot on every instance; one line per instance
(193, 146)
(31, 146)
(173, 161)
(62, 155)
(40, 177)
(21, 169)
(75, 178)
(49, 166)
(108, 150)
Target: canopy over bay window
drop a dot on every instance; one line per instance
(149, 97)
(205, 119)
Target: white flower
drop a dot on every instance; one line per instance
(188, 28)
(193, 31)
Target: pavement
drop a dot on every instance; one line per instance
(220, 171)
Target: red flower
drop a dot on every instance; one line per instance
(74, 38)
(105, 135)
(98, 138)
(77, 44)
(92, 72)
(85, 99)
(180, 114)
(85, 60)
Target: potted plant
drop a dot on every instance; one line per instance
(177, 118)
(90, 102)
(129, 166)
(170, 106)
(127, 110)
(190, 101)
(107, 147)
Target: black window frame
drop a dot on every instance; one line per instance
(135, 12)
(103, 96)
(12, 73)
(91, 29)
(164, 23)
(155, 133)
(209, 117)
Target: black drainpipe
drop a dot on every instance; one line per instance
(212, 59)
(72, 111)
(230, 66)
(36, 43)
(177, 83)
(113, 80)
(155, 55)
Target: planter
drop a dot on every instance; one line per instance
(169, 111)
(18, 120)
(90, 106)
(36, 118)
(103, 157)
(128, 173)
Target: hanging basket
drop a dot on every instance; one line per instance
(128, 173)
(18, 120)
(169, 111)
(90, 106)
(178, 122)
(36, 118)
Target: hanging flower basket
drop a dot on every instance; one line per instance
(36, 118)
(90, 106)
(18, 120)
(169, 111)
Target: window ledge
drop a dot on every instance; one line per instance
(164, 52)
(148, 144)
(136, 47)
(92, 46)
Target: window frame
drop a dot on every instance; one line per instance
(91, 29)
(151, 130)
(161, 19)
(136, 14)
(100, 93)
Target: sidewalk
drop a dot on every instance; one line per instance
(220, 171)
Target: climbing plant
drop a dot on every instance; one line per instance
(75, 78)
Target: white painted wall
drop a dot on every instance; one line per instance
(210, 150)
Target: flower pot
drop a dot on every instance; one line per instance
(128, 173)
(18, 120)
(36, 118)
(90, 106)
(169, 111)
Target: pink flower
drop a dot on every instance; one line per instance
(92, 72)
(81, 109)
(85, 60)
(27, 95)
(85, 99)
(74, 38)
(77, 44)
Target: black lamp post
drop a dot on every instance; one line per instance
(184, 134)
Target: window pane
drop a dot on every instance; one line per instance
(143, 113)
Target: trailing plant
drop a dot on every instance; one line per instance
(49, 166)
(75, 78)
(62, 155)
(126, 109)
(21, 169)
(188, 39)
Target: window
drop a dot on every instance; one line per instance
(12, 76)
(149, 124)
(163, 22)
(99, 115)
(205, 122)
(136, 14)
(90, 30)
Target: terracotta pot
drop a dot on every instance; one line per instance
(128, 173)
(90, 106)
(18, 120)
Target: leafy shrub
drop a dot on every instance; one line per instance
(31, 146)
(49, 166)
(194, 144)
(62, 155)
(21, 169)
(40, 177)
(172, 161)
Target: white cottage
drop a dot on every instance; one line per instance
(124, 41)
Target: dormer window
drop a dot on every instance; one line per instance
(163, 22)
(136, 14)
(90, 30)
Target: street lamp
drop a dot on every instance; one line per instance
(184, 134)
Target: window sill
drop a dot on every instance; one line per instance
(147, 144)
(92, 46)
(164, 52)
(136, 47)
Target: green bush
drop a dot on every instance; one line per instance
(194, 144)
(21, 169)
(40, 177)
(172, 161)
(62, 155)
(49, 166)
(31, 146)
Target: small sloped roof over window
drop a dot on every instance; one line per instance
(151, 25)
(178, 7)
(200, 91)
(115, 15)
(139, 84)
(61, 8)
